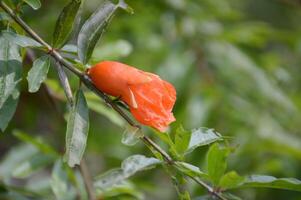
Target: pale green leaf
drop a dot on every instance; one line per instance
(109, 179)
(38, 73)
(131, 135)
(65, 23)
(20, 40)
(136, 163)
(59, 182)
(201, 137)
(191, 170)
(77, 130)
(129, 167)
(14, 157)
(32, 165)
(35, 4)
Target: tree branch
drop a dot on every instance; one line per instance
(87, 81)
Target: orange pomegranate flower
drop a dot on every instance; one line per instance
(149, 98)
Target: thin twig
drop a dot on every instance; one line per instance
(83, 168)
(87, 81)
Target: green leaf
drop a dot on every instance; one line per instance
(272, 182)
(69, 48)
(191, 170)
(113, 50)
(10, 76)
(65, 23)
(216, 162)
(136, 163)
(59, 182)
(37, 142)
(14, 157)
(32, 165)
(35, 4)
(20, 40)
(129, 167)
(7, 110)
(104, 110)
(4, 16)
(131, 135)
(77, 130)
(201, 137)
(38, 73)
(93, 28)
(231, 180)
(182, 139)
(124, 188)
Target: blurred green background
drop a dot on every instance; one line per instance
(235, 65)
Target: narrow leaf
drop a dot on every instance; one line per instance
(35, 4)
(38, 73)
(191, 169)
(59, 181)
(10, 76)
(93, 29)
(65, 22)
(272, 182)
(216, 162)
(201, 137)
(77, 130)
(20, 40)
(37, 142)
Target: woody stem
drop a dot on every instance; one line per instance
(88, 83)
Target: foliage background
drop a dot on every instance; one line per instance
(235, 65)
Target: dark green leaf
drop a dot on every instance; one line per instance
(35, 4)
(38, 73)
(93, 29)
(10, 76)
(231, 180)
(65, 22)
(201, 137)
(77, 130)
(216, 162)
(182, 138)
(272, 182)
